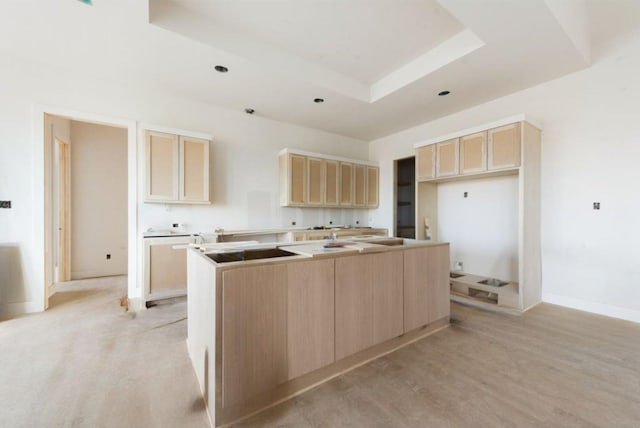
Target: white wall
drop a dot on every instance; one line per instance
(98, 200)
(483, 227)
(590, 152)
(244, 164)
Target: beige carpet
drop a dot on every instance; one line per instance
(86, 362)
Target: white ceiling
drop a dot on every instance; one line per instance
(378, 64)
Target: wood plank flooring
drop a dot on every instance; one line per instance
(552, 367)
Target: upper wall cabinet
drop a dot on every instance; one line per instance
(496, 150)
(504, 146)
(176, 168)
(346, 184)
(312, 180)
(426, 162)
(473, 153)
(447, 158)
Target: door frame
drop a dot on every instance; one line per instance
(62, 182)
(42, 228)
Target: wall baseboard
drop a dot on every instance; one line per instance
(593, 307)
(12, 310)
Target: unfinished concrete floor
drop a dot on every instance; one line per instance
(86, 362)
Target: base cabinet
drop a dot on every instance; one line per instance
(424, 302)
(165, 268)
(368, 301)
(254, 332)
(277, 325)
(261, 333)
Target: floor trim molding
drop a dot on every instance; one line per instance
(593, 307)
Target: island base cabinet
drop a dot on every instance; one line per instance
(368, 301)
(426, 286)
(253, 332)
(310, 316)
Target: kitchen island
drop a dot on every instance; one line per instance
(268, 322)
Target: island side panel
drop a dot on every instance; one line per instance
(438, 300)
(253, 332)
(310, 316)
(201, 326)
(426, 285)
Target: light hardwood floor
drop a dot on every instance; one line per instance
(552, 367)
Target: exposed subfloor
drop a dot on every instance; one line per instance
(87, 363)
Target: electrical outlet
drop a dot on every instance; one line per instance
(108, 256)
(5, 204)
(458, 266)
(330, 222)
(466, 194)
(596, 205)
(357, 221)
(293, 223)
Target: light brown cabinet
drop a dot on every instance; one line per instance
(447, 158)
(473, 153)
(425, 300)
(426, 162)
(293, 179)
(165, 268)
(368, 298)
(346, 184)
(359, 185)
(314, 181)
(504, 146)
(278, 324)
(254, 332)
(177, 169)
(310, 316)
(332, 183)
(372, 186)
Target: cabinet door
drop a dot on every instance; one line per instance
(165, 269)
(297, 179)
(473, 153)
(447, 158)
(194, 166)
(426, 286)
(368, 301)
(359, 185)
(315, 181)
(346, 184)
(162, 167)
(426, 162)
(332, 183)
(504, 147)
(254, 332)
(386, 278)
(310, 316)
(372, 186)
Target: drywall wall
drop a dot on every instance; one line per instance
(590, 153)
(483, 226)
(244, 164)
(98, 200)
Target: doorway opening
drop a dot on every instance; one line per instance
(86, 204)
(405, 198)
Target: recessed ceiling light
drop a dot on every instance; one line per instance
(249, 111)
(443, 93)
(221, 68)
(318, 100)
